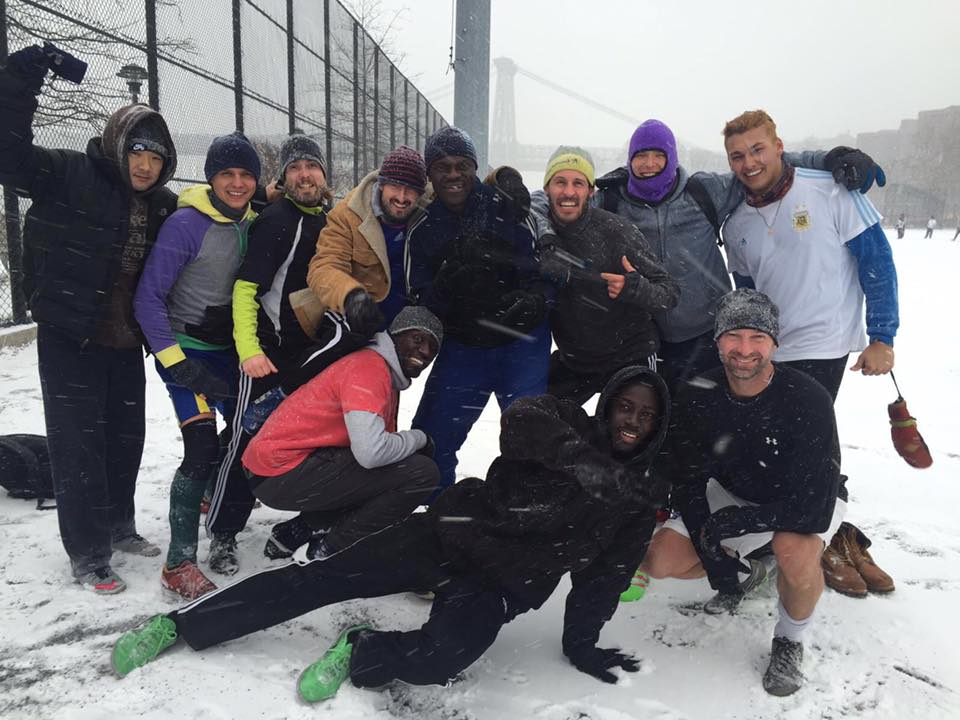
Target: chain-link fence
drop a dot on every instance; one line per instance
(265, 67)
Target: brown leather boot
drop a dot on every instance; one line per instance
(877, 580)
(839, 572)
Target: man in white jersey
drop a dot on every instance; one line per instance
(818, 251)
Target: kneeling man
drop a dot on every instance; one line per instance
(756, 461)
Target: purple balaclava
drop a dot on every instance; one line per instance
(653, 135)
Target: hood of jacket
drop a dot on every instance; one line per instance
(116, 138)
(383, 345)
(198, 198)
(624, 377)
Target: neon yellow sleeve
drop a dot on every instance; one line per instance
(245, 309)
(170, 355)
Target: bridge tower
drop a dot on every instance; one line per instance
(503, 134)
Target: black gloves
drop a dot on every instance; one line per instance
(721, 568)
(598, 661)
(362, 312)
(196, 376)
(430, 449)
(510, 184)
(34, 61)
(521, 309)
(854, 169)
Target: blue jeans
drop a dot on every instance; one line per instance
(461, 382)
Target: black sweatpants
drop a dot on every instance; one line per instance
(93, 403)
(232, 501)
(332, 490)
(466, 616)
(829, 373)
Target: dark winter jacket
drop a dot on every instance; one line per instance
(594, 333)
(76, 230)
(681, 237)
(778, 449)
(464, 266)
(534, 520)
(281, 242)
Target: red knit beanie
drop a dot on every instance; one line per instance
(404, 166)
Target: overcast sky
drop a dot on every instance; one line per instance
(819, 67)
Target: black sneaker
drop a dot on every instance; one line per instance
(223, 555)
(723, 602)
(286, 537)
(783, 676)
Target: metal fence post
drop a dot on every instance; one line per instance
(237, 67)
(393, 108)
(11, 210)
(291, 77)
(356, 107)
(153, 73)
(328, 110)
(376, 105)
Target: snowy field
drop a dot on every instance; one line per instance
(880, 657)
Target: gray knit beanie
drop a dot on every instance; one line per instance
(417, 317)
(747, 308)
(301, 147)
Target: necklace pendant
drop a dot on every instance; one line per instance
(770, 231)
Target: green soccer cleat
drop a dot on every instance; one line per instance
(141, 645)
(638, 587)
(322, 679)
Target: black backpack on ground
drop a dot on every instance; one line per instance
(25, 468)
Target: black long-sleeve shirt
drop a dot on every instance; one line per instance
(778, 449)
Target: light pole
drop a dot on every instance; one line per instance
(134, 75)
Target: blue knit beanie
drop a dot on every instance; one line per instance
(449, 141)
(231, 151)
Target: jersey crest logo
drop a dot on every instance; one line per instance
(801, 218)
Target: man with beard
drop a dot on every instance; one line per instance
(355, 277)
(569, 493)
(472, 260)
(93, 220)
(754, 456)
(356, 287)
(609, 283)
(821, 254)
(267, 335)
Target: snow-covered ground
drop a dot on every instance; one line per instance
(880, 657)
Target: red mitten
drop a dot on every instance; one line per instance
(906, 437)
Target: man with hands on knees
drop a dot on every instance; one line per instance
(568, 493)
(754, 457)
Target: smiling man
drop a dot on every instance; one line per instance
(609, 284)
(93, 218)
(332, 450)
(267, 335)
(474, 263)
(569, 493)
(754, 456)
(820, 253)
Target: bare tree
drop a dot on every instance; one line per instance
(100, 40)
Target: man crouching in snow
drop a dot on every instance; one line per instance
(756, 461)
(568, 493)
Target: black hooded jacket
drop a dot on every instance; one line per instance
(77, 226)
(538, 515)
(593, 332)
